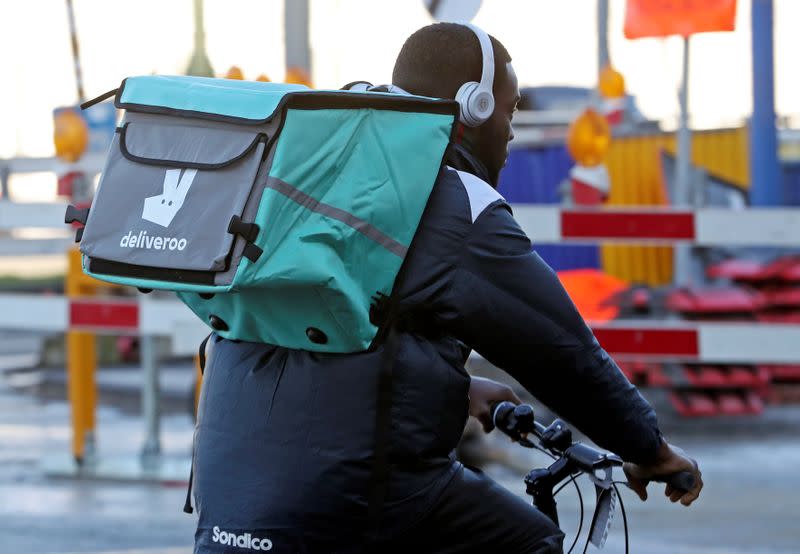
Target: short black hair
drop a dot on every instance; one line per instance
(436, 60)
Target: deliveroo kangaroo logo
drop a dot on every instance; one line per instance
(162, 209)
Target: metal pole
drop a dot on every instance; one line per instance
(682, 253)
(684, 158)
(295, 29)
(5, 177)
(602, 35)
(765, 184)
(76, 58)
(199, 65)
(150, 398)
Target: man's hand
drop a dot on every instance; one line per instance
(671, 459)
(483, 393)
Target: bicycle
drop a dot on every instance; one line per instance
(571, 459)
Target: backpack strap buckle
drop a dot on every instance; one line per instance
(76, 214)
(249, 232)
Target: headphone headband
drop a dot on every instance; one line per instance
(487, 57)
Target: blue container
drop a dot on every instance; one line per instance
(791, 183)
(532, 176)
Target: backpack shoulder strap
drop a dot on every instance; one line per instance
(201, 355)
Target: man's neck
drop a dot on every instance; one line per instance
(461, 157)
(466, 139)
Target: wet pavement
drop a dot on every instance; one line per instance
(750, 467)
(39, 514)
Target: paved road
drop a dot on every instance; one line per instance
(43, 515)
(750, 505)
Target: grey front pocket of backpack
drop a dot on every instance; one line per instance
(159, 202)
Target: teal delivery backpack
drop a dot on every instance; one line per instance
(279, 214)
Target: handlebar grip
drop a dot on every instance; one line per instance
(513, 420)
(500, 412)
(683, 480)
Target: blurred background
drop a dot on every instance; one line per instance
(656, 168)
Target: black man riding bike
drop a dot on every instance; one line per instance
(312, 452)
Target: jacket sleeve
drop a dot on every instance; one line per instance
(507, 304)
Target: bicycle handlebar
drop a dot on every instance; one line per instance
(517, 421)
(683, 480)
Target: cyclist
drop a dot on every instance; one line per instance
(285, 439)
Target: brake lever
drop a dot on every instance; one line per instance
(607, 481)
(606, 503)
(603, 516)
(522, 441)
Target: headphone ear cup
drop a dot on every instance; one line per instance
(481, 105)
(463, 97)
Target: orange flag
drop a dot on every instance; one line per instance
(591, 290)
(660, 18)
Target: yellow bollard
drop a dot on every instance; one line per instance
(82, 391)
(81, 367)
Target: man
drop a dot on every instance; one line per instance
(284, 446)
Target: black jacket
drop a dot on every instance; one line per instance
(284, 439)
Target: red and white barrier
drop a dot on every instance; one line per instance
(706, 227)
(551, 223)
(143, 316)
(719, 343)
(40, 215)
(709, 342)
(33, 228)
(739, 343)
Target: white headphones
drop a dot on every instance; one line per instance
(476, 99)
